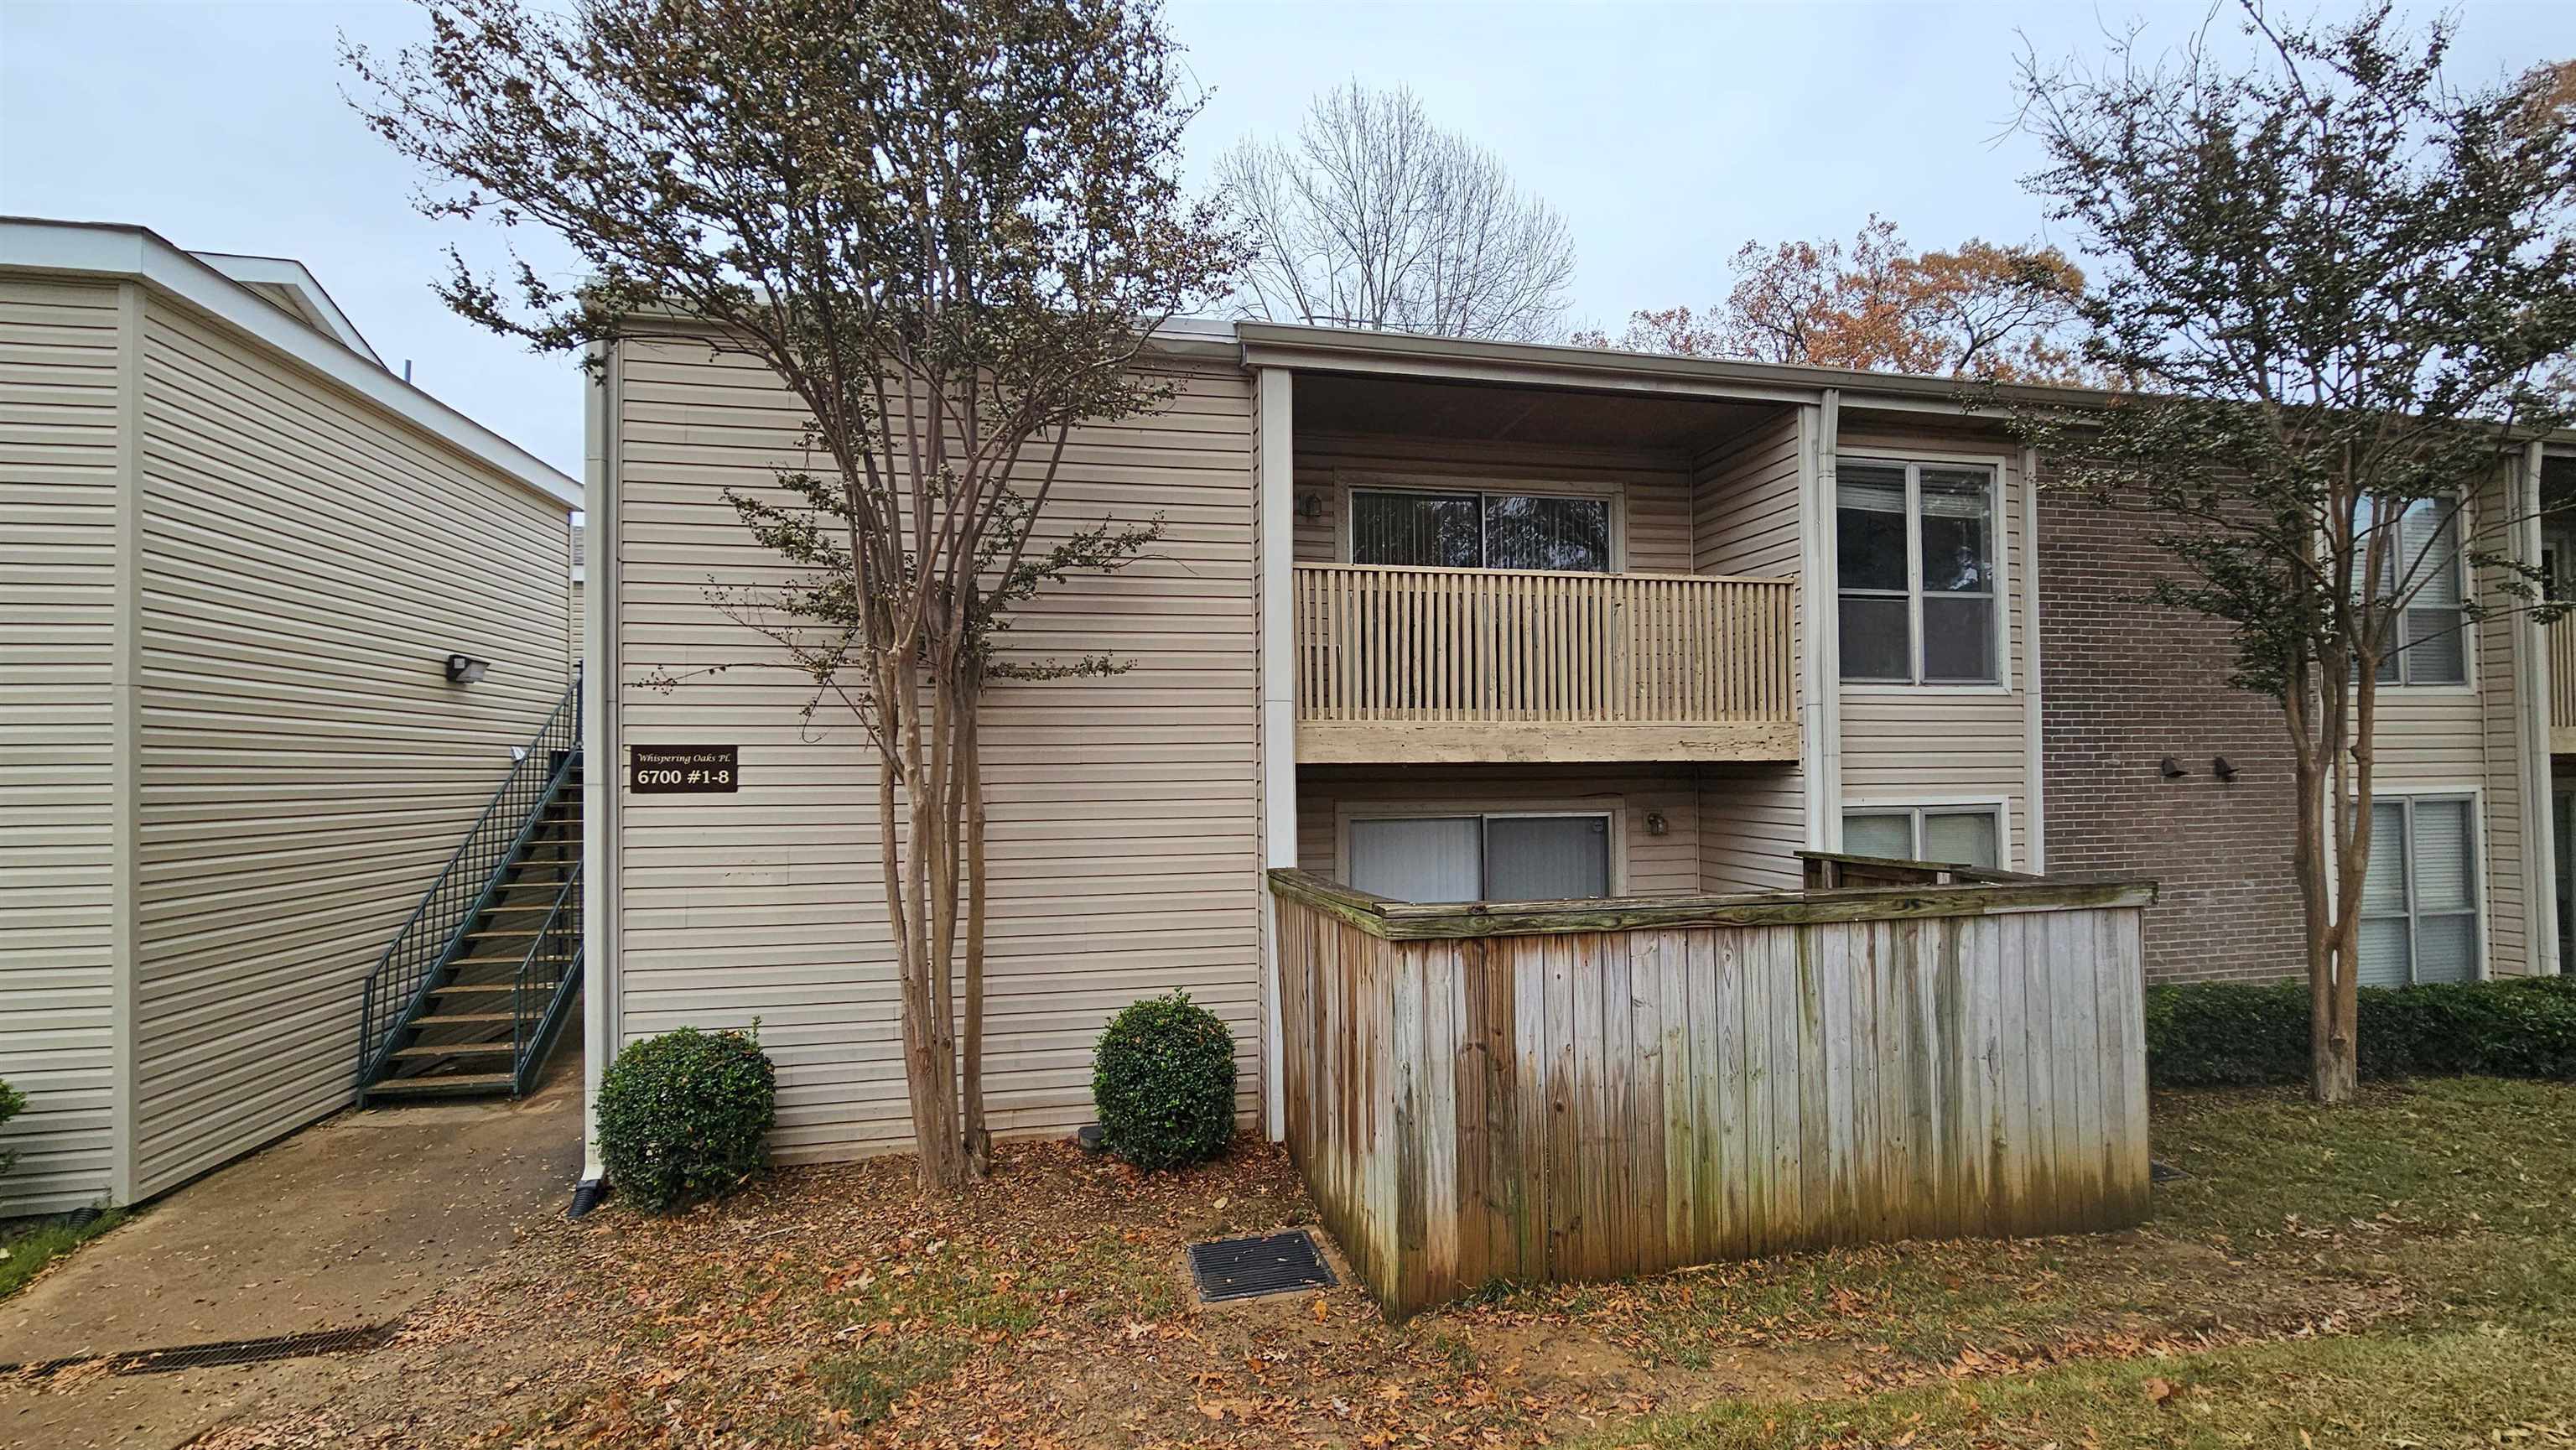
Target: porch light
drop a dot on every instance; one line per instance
(2222, 767)
(465, 669)
(1310, 505)
(2171, 768)
(1655, 824)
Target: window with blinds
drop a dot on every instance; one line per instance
(1482, 857)
(2430, 646)
(1478, 530)
(2419, 898)
(1950, 835)
(1915, 554)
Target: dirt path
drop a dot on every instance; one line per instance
(352, 1222)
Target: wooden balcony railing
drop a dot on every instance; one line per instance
(1406, 664)
(2562, 685)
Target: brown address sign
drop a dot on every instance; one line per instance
(684, 769)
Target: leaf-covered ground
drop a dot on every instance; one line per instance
(2400, 1273)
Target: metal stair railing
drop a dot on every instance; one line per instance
(411, 963)
(545, 983)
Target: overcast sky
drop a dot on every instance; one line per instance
(1668, 134)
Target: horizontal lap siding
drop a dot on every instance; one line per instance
(306, 770)
(1934, 746)
(1745, 521)
(1655, 486)
(59, 472)
(2494, 668)
(1124, 812)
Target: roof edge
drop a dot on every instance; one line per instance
(107, 249)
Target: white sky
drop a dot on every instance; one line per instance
(1668, 134)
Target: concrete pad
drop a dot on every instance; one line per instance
(351, 1222)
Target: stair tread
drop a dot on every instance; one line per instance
(441, 1083)
(473, 987)
(463, 1019)
(456, 1049)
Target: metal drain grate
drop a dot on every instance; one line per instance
(1265, 1264)
(223, 1352)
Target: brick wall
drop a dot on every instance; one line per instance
(2125, 685)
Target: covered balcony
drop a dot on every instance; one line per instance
(1490, 574)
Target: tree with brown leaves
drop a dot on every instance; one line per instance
(951, 230)
(1981, 310)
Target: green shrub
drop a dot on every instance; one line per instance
(1163, 1079)
(12, 1103)
(2231, 1033)
(686, 1115)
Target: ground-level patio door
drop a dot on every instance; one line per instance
(1492, 857)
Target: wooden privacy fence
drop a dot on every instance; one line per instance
(1590, 1090)
(1480, 646)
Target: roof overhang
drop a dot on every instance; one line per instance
(115, 251)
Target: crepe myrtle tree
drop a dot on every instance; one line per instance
(2340, 284)
(950, 230)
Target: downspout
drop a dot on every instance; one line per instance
(601, 763)
(1275, 464)
(1820, 428)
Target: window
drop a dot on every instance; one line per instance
(1915, 562)
(2431, 646)
(1475, 530)
(1482, 857)
(1952, 835)
(2419, 900)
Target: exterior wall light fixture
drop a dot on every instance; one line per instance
(2171, 768)
(2222, 767)
(1310, 505)
(1655, 824)
(465, 669)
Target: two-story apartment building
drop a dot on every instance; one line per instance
(1471, 621)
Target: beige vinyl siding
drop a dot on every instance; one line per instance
(1124, 812)
(2437, 739)
(1752, 824)
(1655, 487)
(59, 480)
(1650, 865)
(305, 769)
(1932, 745)
(1752, 819)
(2509, 947)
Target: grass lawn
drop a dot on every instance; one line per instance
(2398, 1273)
(29, 1250)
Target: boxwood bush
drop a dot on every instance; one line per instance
(686, 1115)
(2233, 1033)
(12, 1103)
(1163, 1079)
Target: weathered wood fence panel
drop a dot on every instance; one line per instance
(1569, 1103)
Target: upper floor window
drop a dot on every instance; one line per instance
(1473, 529)
(2430, 646)
(1915, 563)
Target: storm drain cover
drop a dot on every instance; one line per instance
(1264, 1264)
(230, 1351)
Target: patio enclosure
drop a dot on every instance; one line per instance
(1589, 1090)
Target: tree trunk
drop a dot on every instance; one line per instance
(929, 1032)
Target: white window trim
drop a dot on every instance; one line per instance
(2005, 857)
(2467, 684)
(1346, 484)
(2006, 486)
(1428, 810)
(2475, 795)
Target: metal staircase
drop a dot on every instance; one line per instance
(474, 990)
